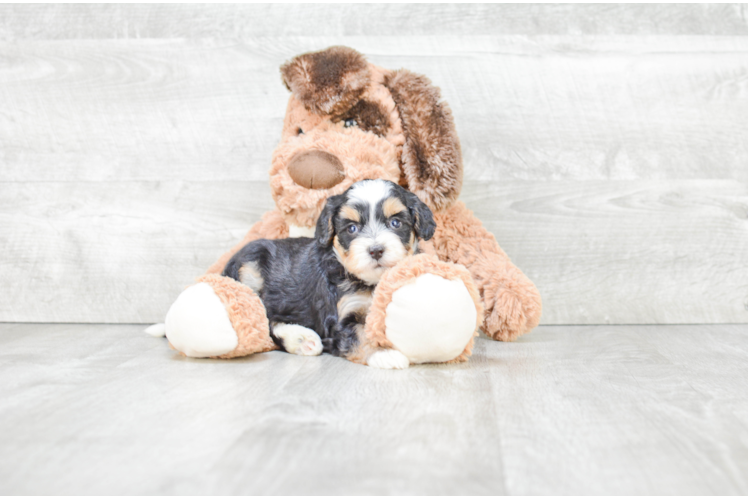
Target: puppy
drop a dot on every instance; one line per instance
(317, 291)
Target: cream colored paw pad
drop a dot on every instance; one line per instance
(299, 339)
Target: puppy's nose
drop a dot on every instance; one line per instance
(376, 252)
(316, 169)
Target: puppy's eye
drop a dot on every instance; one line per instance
(395, 224)
(350, 122)
(352, 229)
(299, 131)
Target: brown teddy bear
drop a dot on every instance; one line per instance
(349, 120)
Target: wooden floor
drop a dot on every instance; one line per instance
(97, 409)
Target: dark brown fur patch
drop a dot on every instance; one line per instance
(327, 82)
(431, 159)
(370, 117)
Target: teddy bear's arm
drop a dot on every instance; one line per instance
(271, 226)
(512, 302)
(220, 317)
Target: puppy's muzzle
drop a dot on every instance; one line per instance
(316, 169)
(376, 252)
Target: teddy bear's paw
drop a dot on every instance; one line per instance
(510, 313)
(501, 327)
(388, 359)
(298, 339)
(431, 319)
(198, 324)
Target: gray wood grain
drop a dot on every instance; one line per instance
(115, 252)
(623, 252)
(599, 251)
(105, 409)
(545, 108)
(607, 154)
(132, 110)
(251, 20)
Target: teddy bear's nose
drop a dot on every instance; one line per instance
(316, 169)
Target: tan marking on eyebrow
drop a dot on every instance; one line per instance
(350, 213)
(392, 206)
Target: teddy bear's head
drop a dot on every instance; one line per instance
(349, 120)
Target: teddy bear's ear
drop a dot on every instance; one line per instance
(327, 82)
(431, 160)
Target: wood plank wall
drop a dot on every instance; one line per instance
(606, 146)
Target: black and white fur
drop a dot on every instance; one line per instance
(317, 291)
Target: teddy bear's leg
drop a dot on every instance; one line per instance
(425, 309)
(218, 317)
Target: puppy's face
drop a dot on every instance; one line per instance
(373, 226)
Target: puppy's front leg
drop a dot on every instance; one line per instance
(298, 339)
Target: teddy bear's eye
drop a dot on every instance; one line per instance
(299, 131)
(350, 122)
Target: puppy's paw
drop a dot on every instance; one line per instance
(388, 359)
(310, 346)
(299, 339)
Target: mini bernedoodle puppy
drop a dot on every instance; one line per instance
(317, 291)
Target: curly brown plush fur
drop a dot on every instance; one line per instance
(402, 274)
(431, 159)
(329, 81)
(393, 125)
(513, 304)
(246, 313)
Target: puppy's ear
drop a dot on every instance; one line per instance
(325, 230)
(431, 159)
(327, 82)
(424, 219)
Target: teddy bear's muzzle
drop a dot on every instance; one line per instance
(316, 169)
